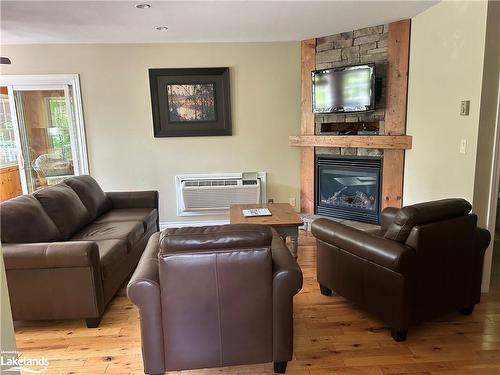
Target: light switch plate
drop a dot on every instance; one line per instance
(464, 108)
(463, 146)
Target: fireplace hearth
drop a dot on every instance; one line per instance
(348, 187)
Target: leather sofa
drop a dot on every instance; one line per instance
(426, 260)
(68, 248)
(215, 296)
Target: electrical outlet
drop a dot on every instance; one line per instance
(270, 200)
(291, 201)
(463, 146)
(464, 107)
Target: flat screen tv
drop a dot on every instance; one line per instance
(345, 89)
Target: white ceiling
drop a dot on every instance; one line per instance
(192, 21)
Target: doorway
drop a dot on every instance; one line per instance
(45, 137)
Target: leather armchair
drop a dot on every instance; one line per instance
(215, 296)
(426, 260)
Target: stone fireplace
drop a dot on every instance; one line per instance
(376, 137)
(348, 187)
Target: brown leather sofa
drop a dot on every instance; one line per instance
(215, 296)
(425, 261)
(68, 248)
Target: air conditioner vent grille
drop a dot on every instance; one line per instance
(198, 183)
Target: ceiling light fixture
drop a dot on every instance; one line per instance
(143, 6)
(161, 28)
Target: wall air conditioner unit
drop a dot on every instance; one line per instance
(212, 194)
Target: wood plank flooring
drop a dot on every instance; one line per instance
(331, 337)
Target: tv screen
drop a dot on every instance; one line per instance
(347, 89)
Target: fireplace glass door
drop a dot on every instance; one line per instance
(348, 188)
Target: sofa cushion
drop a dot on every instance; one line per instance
(129, 231)
(147, 216)
(423, 213)
(111, 254)
(91, 194)
(64, 207)
(24, 220)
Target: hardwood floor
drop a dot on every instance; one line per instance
(331, 337)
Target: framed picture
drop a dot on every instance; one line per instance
(190, 102)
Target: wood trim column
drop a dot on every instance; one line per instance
(308, 64)
(398, 53)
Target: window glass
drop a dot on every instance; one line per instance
(8, 151)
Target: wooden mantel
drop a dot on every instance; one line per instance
(393, 142)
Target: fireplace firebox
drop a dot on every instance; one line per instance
(348, 187)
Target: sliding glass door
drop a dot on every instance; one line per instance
(48, 127)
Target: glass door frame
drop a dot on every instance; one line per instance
(70, 84)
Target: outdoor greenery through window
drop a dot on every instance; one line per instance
(59, 127)
(8, 150)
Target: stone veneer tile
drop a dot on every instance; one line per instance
(367, 39)
(324, 46)
(340, 117)
(374, 57)
(381, 43)
(368, 31)
(351, 117)
(350, 151)
(350, 53)
(329, 38)
(377, 50)
(328, 56)
(347, 35)
(370, 152)
(324, 66)
(342, 43)
(367, 46)
(327, 150)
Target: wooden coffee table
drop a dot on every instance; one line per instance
(284, 220)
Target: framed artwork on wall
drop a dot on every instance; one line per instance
(190, 102)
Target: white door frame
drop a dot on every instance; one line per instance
(492, 209)
(19, 138)
(70, 83)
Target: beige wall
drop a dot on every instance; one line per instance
(265, 94)
(455, 55)
(446, 66)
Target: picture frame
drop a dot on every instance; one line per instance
(190, 102)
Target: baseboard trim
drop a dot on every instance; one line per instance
(180, 224)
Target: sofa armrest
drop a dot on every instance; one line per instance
(390, 254)
(286, 271)
(50, 255)
(287, 281)
(387, 217)
(143, 290)
(482, 239)
(134, 199)
(65, 276)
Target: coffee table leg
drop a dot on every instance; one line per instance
(294, 242)
(293, 233)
